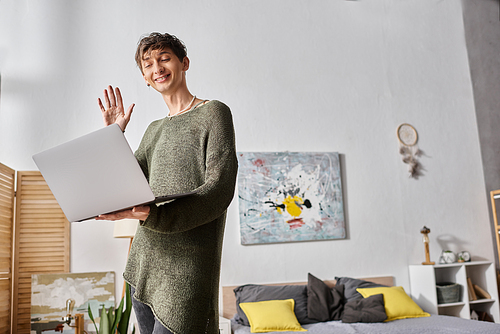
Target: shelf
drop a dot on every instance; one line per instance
(459, 264)
(423, 280)
(451, 304)
(481, 301)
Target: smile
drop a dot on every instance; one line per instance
(162, 79)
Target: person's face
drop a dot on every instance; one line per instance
(163, 71)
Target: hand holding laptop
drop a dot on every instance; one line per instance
(137, 212)
(114, 111)
(87, 177)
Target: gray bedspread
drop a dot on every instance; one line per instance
(433, 324)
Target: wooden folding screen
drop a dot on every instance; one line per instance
(42, 239)
(7, 178)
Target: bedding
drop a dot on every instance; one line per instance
(271, 315)
(324, 303)
(368, 307)
(351, 284)
(435, 324)
(398, 305)
(257, 293)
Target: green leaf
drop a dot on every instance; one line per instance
(111, 318)
(118, 316)
(104, 323)
(123, 324)
(92, 318)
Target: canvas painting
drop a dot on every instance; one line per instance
(51, 294)
(289, 196)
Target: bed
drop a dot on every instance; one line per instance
(429, 323)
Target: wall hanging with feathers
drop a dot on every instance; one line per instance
(408, 148)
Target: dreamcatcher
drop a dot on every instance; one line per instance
(408, 148)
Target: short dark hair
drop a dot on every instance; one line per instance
(159, 41)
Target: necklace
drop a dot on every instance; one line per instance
(188, 108)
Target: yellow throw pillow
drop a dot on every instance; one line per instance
(272, 316)
(398, 305)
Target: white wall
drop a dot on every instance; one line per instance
(299, 76)
(482, 31)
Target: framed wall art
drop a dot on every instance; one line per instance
(289, 196)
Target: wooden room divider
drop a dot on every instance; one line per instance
(37, 236)
(7, 184)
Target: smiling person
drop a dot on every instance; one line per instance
(174, 263)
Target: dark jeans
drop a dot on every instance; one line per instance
(146, 320)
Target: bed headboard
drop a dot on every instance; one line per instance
(229, 299)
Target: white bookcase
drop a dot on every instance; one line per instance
(423, 279)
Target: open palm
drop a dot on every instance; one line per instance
(112, 109)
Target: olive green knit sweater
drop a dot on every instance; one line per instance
(174, 263)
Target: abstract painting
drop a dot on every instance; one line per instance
(51, 293)
(289, 196)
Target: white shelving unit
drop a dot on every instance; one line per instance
(423, 279)
(224, 325)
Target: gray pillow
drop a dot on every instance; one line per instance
(369, 309)
(257, 293)
(351, 284)
(323, 303)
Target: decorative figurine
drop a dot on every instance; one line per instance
(425, 231)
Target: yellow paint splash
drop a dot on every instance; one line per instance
(291, 205)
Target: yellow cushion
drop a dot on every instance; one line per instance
(272, 316)
(398, 305)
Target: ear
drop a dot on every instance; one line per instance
(185, 64)
(147, 83)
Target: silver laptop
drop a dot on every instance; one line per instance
(96, 174)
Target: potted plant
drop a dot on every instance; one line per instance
(115, 320)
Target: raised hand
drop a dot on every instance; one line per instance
(114, 111)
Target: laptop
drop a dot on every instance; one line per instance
(96, 174)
